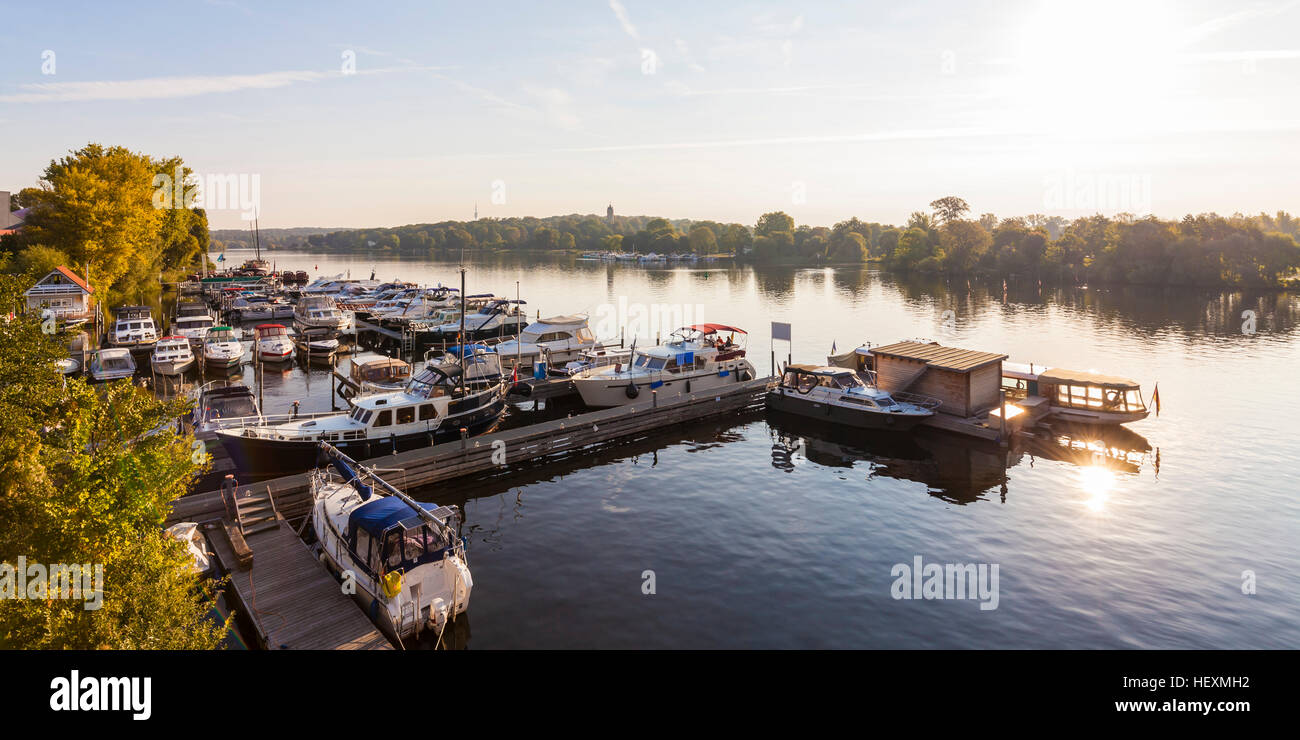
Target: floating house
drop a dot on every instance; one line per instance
(62, 292)
(966, 382)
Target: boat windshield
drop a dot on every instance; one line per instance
(221, 336)
(114, 363)
(231, 407)
(361, 415)
(646, 362)
(427, 384)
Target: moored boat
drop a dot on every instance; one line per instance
(111, 364)
(695, 359)
(133, 328)
(840, 396)
(406, 558)
(555, 341)
(221, 349)
(172, 356)
(1080, 397)
(271, 342)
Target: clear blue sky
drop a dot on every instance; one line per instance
(681, 109)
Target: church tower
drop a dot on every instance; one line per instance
(609, 212)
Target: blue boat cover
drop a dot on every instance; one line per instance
(350, 476)
(382, 513)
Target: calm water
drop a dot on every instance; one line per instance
(763, 532)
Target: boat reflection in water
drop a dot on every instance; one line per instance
(956, 469)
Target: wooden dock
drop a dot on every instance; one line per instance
(499, 452)
(293, 602)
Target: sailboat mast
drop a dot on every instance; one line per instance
(462, 329)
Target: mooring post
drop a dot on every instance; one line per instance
(1002, 438)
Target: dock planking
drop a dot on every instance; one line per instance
(291, 599)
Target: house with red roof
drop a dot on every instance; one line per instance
(63, 292)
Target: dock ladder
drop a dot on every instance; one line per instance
(256, 512)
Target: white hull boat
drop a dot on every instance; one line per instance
(695, 360)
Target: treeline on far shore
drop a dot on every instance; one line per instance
(1199, 250)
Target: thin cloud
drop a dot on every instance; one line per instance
(621, 13)
(903, 135)
(159, 88)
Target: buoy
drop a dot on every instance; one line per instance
(631, 390)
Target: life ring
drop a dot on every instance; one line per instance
(631, 390)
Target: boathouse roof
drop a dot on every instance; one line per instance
(939, 356)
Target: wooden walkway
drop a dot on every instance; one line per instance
(293, 601)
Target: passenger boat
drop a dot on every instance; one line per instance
(696, 359)
(433, 407)
(221, 349)
(555, 341)
(406, 558)
(172, 356)
(133, 328)
(111, 364)
(221, 406)
(271, 342)
(319, 312)
(839, 395)
(1080, 397)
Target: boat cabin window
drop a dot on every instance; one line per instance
(406, 415)
(362, 549)
(1097, 398)
(362, 415)
(646, 362)
(885, 402)
(584, 335)
(385, 418)
(428, 411)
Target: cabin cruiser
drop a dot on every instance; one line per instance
(194, 327)
(319, 312)
(221, 406)
(1079, 397)
(839, 395)
(481, 364)
(271, 343)
(593, 358)
(134, 328)
(434, 407)
(111, 364)
(500, 317)
(554, 342)
(431, 311)
(696, 359)
(172, 356)
(406, 558)
(221, 349)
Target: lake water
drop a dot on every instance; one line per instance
(767, 533)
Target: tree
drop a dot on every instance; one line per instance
(950, 208)
(920, 220)
(772, 223)
(703, 241)
(963, 244)
(91, 486)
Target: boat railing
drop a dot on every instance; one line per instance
(242, 422)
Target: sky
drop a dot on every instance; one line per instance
(347, 114)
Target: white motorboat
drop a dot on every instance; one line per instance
(221, 406)
(500, 317)
(839, 395)
(222, 350)
(172, 356)
(406, 558)
(111, 364)
(696, 359)
(193, 327)
(555, 341)
(319, 312)
(133, 328)
(272, 343)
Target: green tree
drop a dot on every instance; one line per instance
(90, 483)
(950, 208)
(772, 223)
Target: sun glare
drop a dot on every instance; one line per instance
(1096, 482)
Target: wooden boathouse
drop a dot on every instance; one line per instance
(966, 382)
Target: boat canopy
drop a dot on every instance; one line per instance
(377, 516)
(711, 328)
(817, 370)
(1059, 376)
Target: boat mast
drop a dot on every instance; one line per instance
(462, 329)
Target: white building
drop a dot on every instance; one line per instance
(62, 292)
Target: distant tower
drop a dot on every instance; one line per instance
(476, 211)
(609, 212)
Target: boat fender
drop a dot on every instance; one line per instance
(391, 583)
(688, 385)
(374, 609)
(631, 390)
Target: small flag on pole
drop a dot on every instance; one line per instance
(1155, 399)
(832, 346)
